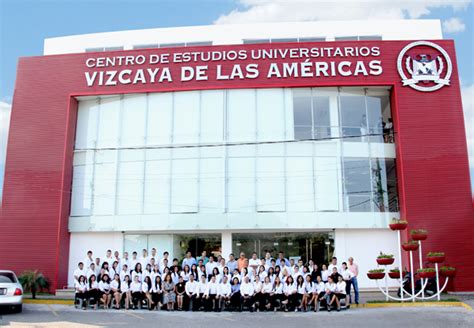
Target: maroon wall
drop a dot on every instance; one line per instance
(432, 157)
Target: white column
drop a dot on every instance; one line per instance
(226, 243)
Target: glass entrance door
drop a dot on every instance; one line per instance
(318, 246)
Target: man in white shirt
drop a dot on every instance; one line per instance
(162, 262)
(118, 259)
(201, 289)
(254, 262)
(133, 261)
(191, 289)
(109, 258)
(124, 272)
(246, 293)
(154, 255)
(88, 260)
(211, 295)
(210, 266)
(223, 292)
(125, 260)
(144, 260)
(91, 271)
(334, 264)
(79, 272)
(97, 266)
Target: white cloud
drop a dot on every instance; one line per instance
(468, 106)
(453, 25)
(255, 11)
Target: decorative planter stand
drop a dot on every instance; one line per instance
(424, 276)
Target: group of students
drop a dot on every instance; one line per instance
(264, 284)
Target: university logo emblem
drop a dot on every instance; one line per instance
(424, 66)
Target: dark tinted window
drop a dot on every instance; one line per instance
(7, 277)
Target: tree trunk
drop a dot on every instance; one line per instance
(33, 292)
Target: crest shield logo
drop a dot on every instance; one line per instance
(426, 71)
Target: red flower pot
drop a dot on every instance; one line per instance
(436, 259)
(427, 275)
(410, 247)
(419, 236)
(385, 261)
(447, 273)
(398, 226)
(396, 275)
(376, 275)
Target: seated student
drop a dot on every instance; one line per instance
(308, 293)
(185, 273)
(246, 293)
(329, 293)
(340, 292)
(335, 274)
(191, 289)
(324, 273)
(147, 290)
(217, 274)
(81, 290)
(347, 275)
(289, 292)
(235, 294)
(104, 287)
(114, 269)
(201, 289)
(115, 291)
(194, 271)
(202, 272)
(93, 290)
(318, 292)
(262, 274)
(155, 272)
(124, 272)
(147, 272)
(169, 293)
(157, 293)
(267, 289)
(257, 296)
(175, 274)
(180, 292)
(224, 291)
(300, 291)
(271, 274)
(236, 274)
(125, 289)
(211, 294)
(136, 291)
(226, 272)
(277, 295)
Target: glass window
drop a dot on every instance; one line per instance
(130, 182)
(270, 114)
(157, 181)
(326, 183)
(81, 198)
(357, 185)
(113, 48)
(369, 37)
(378, 112)
(186, 117)
(241, 185)
(353, 115)
(104, 185)
(241, 115)
(302, 113)
(184, 185)
(270, 184)
(345, 38)
(109, 122)
(212, 116)
(199, 43)
(300, 184)
(253, 41)
(160, 118)
(312, 39)
(99, 49)
(284, 40)
(133, 118)
(172, 45)
(321, 117)
(145, 46)
(87, 119)
(134, 243)
(196, 244)
(211, 185)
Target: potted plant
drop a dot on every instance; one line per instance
(376, 274)
(33, 281)
(447, 271)
(385, 259)
(426, 273)
(395, 273)
(398, 224)
(411, 245)
(419, 234)
(435, 257)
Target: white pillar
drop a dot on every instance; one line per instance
(226, 243)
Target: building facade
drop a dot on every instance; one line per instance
(237, 138)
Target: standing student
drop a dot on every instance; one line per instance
(289, 292)
(333, 265)
(93, 290)
(180, 292)
(124, 272)
(169, 294)
(235, 294)
(175, 275)
(97, 266)
(191, 289)
(254, 262)
(164, 261)
(224, 291)
(267, 289)
(157, 295)
(347, 276)
(185, 273)
(115, 290)
(136, 291)
(211, 294)
(217, 274)
(137, 272)
(126, 293)
(232, 263)
(355, 271)
(88, 260)
(241, 262)
(114, 269)
(125, 260)
(246, 293)
(81, 290)
(203, 258)
(189, 260)
(133, 261)
(324, 273)
(90, 271)
(340, 292)
(210, 266)
(147, 290)
(79, 271)
(104, 287)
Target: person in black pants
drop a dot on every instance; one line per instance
(235, 295)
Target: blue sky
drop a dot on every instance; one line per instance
(24, 24)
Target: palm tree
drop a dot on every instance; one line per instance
(33, 281)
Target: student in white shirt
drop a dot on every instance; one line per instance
(185, 273)
(201, 289)
(191, 289)
(93, 290)
(91, 271)
(132, 263)
(79, 271)
(126, 293)
(124, 272)
(224, 292)
(318, 293)
(340, 292)
(267, 289)
(246, 293)
(117, 258)
(254, 262)
(104, 287)
(88, 260)
(114, 269)
(81, 290)
(262, 274)
(164, 261)
(137, 272)
(257, 295)
(136, 291)
(147, 290)
(329, 293)
(157, 294)
(289, 293)
(210, 266)
(324, 273)
(175, 275)
(217, 274)
(144, 259)
(226, 273)
(115, 291)
(300, 291)
(308, 292)
(97, 267)
(334, 264)
(154, 256)
(125, 260)
(108, 257)
(221, 266)
(347, 276)
(211, 294)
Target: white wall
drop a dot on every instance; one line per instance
(364, 245)
(233, 34)
(97, 242)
